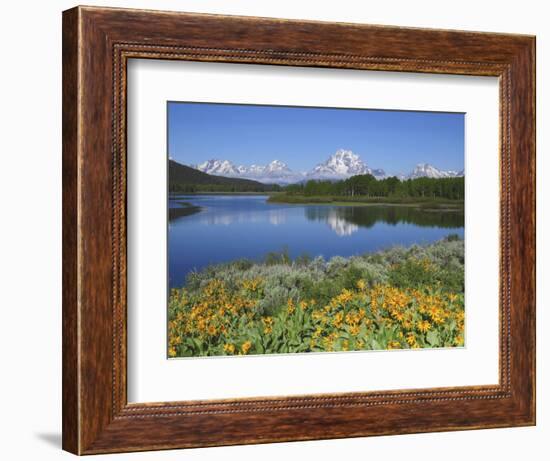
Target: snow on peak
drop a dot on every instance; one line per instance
(218, 167)
(274, 172)
(343, 164)
(425, 170)
(340, 165)
(277, 166)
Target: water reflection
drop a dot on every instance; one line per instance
(339, 224)
(277, 217)
(209, 229)
(347, 220)
(343, 220)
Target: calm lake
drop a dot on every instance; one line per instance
(209, 229)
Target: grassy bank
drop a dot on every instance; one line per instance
(365, 201)
(395, 299)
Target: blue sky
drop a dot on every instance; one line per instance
(302, 137)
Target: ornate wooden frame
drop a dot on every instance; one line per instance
(97, 43)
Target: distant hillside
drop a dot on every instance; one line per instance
(182, 178)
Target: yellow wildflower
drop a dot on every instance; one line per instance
(338, 318)
(423, 326)
(290, 306)
(268, 324)
(394, 345)
(229, 348)
(246, 347)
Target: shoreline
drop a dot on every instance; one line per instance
(436, 205)
(399, 298)
(282, 258)
(186, 209)
(176, 194)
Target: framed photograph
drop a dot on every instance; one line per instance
(282, 230)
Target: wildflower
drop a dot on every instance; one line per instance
(268, 324)
(318, 331)
(175, 340)
(423, 326)
(344, 297)
(229, 348)
(351, 319)
(338, 318)
(317, 315)
(222, 310)
(397, 315)
(374, 304)
(290, 307)
(246, 347)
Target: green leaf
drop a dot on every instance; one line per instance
(433, 338)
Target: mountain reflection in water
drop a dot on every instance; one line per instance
(211, 229)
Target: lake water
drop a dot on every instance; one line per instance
(209, 229)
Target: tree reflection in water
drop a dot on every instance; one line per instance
(346, 220)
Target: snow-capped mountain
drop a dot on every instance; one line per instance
(340, 165)
(274, 172)
(218, 167)
(425, 170)
(343, 164)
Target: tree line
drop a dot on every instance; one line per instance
(236, 187)
(366, 185)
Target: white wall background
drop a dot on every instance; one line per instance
(30, 243)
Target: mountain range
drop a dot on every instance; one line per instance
(425, 170)
(341, 165)
(182, 177)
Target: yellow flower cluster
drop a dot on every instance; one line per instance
(226, 320)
